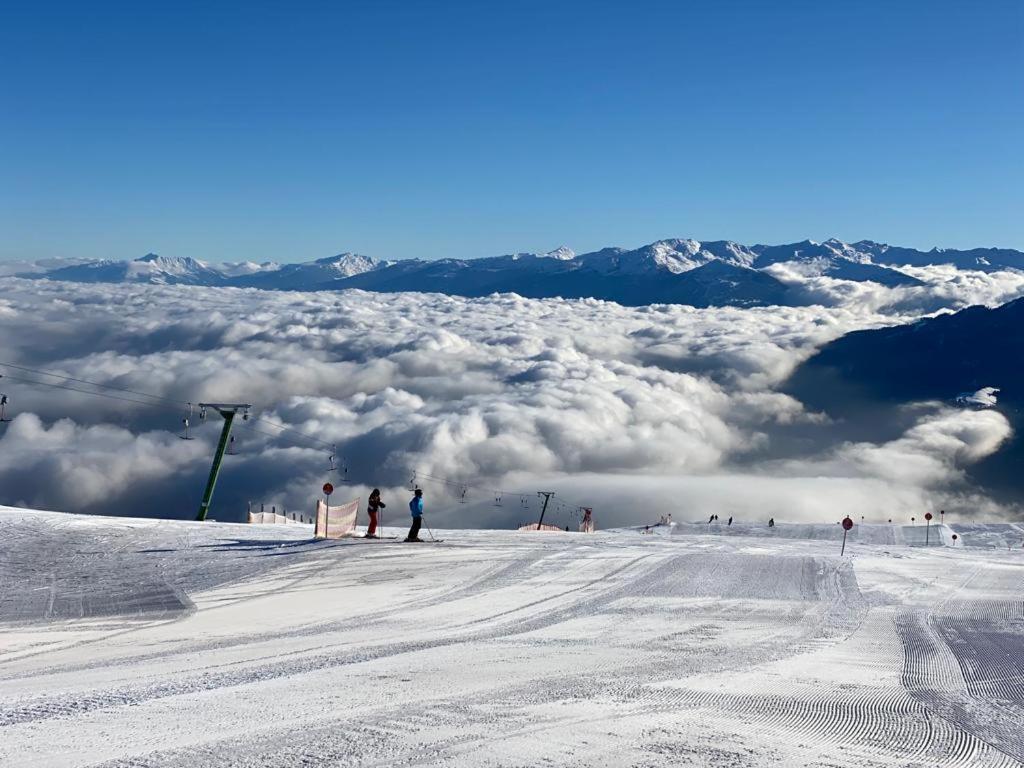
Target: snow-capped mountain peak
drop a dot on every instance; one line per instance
(173, 265)
(348, 263)
(670, 270)
(561, 253)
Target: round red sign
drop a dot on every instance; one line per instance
(328, 489)
(847, 523)
(927, 515)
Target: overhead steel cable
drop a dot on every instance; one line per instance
(164, 403)
(157, 400)
(40, 372)
(565, 505)
(249, 425)
(8, 377)
(285, 428)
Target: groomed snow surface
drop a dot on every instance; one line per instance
(154, 643)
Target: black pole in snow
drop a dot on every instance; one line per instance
(547, 497)
(847, 525)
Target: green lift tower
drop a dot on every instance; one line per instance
(228, 411)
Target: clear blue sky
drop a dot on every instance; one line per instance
(294, 130)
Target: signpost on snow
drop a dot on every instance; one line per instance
(847, 525)
(927, 526)
(328, 489)
(955, 537)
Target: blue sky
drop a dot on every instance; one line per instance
(291, 131)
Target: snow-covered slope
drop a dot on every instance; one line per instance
(161, 643)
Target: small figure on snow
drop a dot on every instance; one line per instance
(373, 507)
(730, 521)
(416, 510)
(771, 522)
(711, 520)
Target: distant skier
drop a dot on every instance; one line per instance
(711, 520)
(730, 521)
(771, 522)
(416, 510)
(373, 507)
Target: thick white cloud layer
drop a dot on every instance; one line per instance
(636, 411)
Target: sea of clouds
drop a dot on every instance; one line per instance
(636, 412)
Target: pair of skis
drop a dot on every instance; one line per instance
(404, 541)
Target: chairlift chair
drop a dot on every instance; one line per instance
(186, 433)
(231, 447)
(3, 409)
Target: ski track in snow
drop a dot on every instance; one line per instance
(145, 643)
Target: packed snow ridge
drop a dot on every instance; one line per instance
(128, 642)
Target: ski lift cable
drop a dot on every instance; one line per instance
(268, 422)
(54, 385)
(265, 420)
(40, 372)
(108, 396)
(251, 426)
(465, 487)
(293, 430)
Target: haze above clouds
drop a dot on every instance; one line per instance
(634, 411)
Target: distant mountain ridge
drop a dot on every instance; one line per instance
(970, 358)
(685, 271)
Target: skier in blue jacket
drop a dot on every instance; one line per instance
(416, 510)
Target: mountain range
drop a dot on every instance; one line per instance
(973, 358)
(681, 271)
